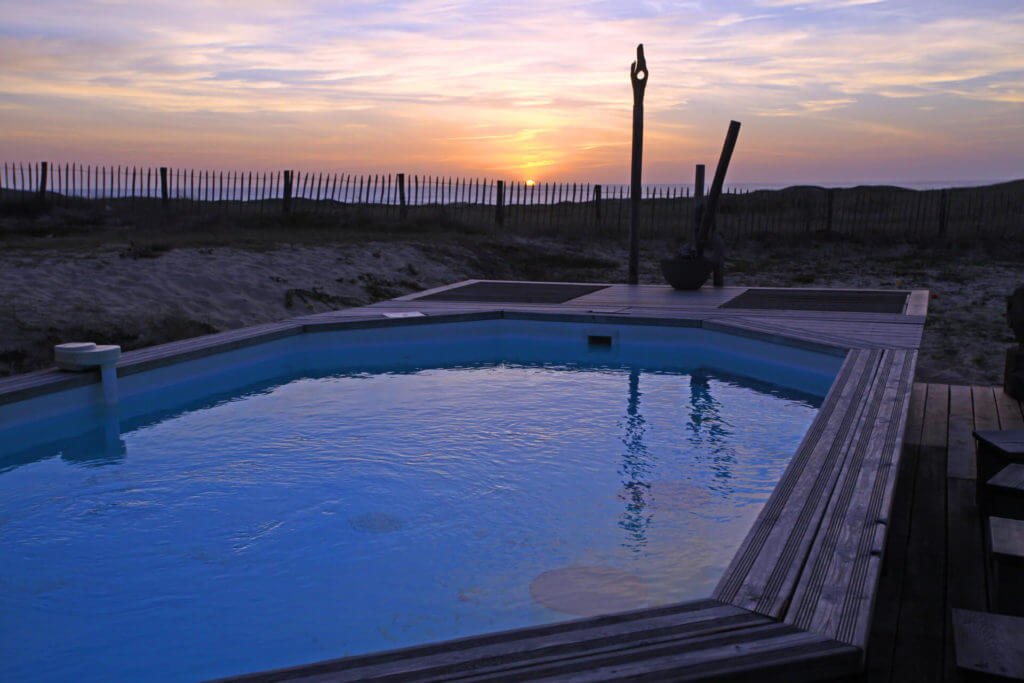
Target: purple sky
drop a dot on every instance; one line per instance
(827, 90)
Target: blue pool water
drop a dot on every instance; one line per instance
(316, 517)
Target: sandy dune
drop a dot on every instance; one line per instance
(138, 296)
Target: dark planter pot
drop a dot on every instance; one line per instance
(686, 273)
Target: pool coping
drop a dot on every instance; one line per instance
(797, 598)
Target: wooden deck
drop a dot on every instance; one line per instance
(797, 601)
(934, 560)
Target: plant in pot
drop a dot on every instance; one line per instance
(692, 265)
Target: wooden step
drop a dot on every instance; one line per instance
(1004, 492)
(1010, 477)
(1006, 553)
(989, 643)
(996, 450)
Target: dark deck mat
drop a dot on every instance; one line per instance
(820, 300)
(514, 292)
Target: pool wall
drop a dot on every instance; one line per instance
(80, 409)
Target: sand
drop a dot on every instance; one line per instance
(142, 295)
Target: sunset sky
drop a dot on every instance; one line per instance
(827, 90)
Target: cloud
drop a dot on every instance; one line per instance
(817, 4)
(504, 86)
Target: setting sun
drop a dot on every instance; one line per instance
(530, 183)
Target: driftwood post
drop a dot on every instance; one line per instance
(499, 203)
(286, 204)
(638, 77)
(597, 204)
(44, 172)
(403, 208)
(707, 223)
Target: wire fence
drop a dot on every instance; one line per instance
(562, 208)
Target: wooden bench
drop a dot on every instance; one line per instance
(996, 450)
(1004, 493)
(991, 644)
(1006, 553)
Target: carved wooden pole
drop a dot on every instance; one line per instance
(638, 77)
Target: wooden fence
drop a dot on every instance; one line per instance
(560, 208)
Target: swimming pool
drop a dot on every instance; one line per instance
(352, 491)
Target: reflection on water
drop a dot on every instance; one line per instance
(709, 431)
(98, 445)
(710, 436)
(103, 446)
(637, 466)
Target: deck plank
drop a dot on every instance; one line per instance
(985, 413)
(922, 610)
(882, 642)
(1008, 410)
(960, 463)
(764, 571)
(965, 557)
(862, 334)
(773, 654)
(835, 595)
(701, 639)
(903, 591)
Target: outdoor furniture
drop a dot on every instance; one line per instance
(1006, 554)
(996, 450)
(1013, 379)
(989, 643)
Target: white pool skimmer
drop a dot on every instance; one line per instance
(82, 356)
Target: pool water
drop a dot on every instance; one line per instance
(320, 516)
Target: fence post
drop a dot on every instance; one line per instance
(698, 201)
(499, 204)
(403, 208)
(597, 204)
(163, 185)
(943, 216)
(286, 204)
(830, 211)
(44, 171)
